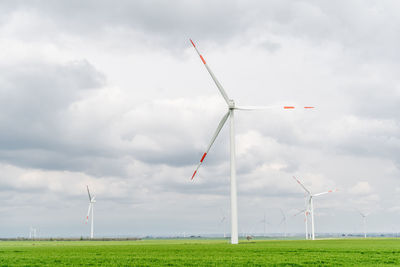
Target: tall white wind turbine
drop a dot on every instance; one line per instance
(310, 204)
(231, 108)
(92, 200)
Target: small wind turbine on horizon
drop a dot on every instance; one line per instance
(32, 233)
(364, 216)
(283, 221)
(92, 200)
(223, 222)
(230, 113)
(265, 222)
(310, 205)
(306, 213)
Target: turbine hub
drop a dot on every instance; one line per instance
(231, 104)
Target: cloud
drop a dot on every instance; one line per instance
(361, 188)
(114, 96)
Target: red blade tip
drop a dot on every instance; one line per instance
(193, 175)
(202, 158)
(192, 42)
(202, 59)
(288, 107)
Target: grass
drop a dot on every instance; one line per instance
(335, 252)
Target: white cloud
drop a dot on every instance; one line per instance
(361, 188)
(115, 97)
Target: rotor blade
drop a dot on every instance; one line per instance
(220, 125)
(323, 193)
(283, 214)
(220, 88)
(266, 107)
(90, 198)
(363, 214)
(88, 213)
(302, 185)
(302, 211)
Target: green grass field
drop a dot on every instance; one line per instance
(335, 252)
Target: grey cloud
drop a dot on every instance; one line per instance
(357, 25)
(161, 19)
(35, 98)
(138, 148)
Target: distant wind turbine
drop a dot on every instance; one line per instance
(265, 222)
(223, 222)
(92, 200)
(306, 213)
(283, 221)
(32, 233)
(310, 204)
(230, 113)
(364, 216)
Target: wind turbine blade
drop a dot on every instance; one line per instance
(220, 125)
(88, 213)
(266, 107)
(300, 212)
(323, 193)
(302, 185)
(363, 214)
(283, 214)
(90, 198)
(256, 107)
(282, 221)
(220, 88)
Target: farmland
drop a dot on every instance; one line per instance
(186, 252)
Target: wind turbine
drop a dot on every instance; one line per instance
(92, 200)
(310, 204)
(364, 216)
(283, 221)
(223, 222)
(306, 213)
(32, 233)
(264, 222)
(231, 108)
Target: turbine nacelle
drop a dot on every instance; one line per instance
(231, 104)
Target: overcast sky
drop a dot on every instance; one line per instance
(112, 95)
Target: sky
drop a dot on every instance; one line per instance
(112, 95)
